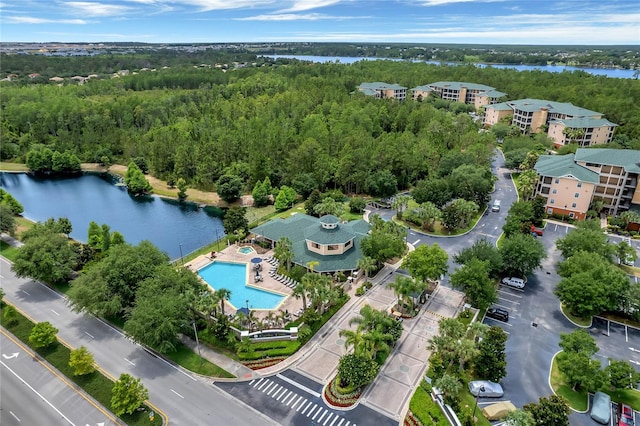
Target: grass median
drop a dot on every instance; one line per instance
(97, 385)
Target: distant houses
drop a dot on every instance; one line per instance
(563, 122)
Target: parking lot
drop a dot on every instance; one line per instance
(534, 327)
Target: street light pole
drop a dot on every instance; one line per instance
(195, 332)
(181, 258)
(476, 406)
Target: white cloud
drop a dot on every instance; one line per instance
(294, 17)
(445, 2)
(86, 8)
(301, 5)
(208, 5)
(34, 20)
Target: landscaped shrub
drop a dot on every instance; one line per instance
(425, 409)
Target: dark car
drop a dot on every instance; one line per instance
(498, 313)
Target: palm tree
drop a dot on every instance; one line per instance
(428, 213)
(223, 295)
(311, 264)
(370, 319)
(399, 203)
(284, 252)
(320, 291)
(300, 291)
(355, 339)
(376, 341)
(367, 264)
(401, 288)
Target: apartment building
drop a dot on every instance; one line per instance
(383, 90)
(571, 182)
(477, 95)
(563, 122)
(585, 131)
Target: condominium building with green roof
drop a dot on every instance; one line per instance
(570, 183)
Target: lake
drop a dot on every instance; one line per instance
(609, 72)
(170, 225)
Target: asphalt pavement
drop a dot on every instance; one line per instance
(33, 393)
(185, 398)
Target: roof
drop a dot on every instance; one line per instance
(491, 94)
(554, 107)
(564, 166)
(502, 106)
(300, 227)
(627, 158)
(585, 122)
(457, 85)
(380, 86)
(423, 88)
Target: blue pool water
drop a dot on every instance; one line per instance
(245, 250)
(233, 276)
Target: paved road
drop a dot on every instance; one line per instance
(186, 399)
(32, 393)
(293, 399)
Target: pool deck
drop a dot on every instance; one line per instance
(231, 254)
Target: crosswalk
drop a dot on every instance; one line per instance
(316, 412)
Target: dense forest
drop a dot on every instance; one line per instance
(297, 123)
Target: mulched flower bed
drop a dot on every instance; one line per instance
(404, 315)
(411, 420)
(335, 398)
(263, 363)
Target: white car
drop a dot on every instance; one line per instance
(513, 282)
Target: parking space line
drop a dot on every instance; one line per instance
(501, 322)
(510, 301)
(511, 294)
(506, 307)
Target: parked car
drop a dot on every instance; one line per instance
(498, 313)
(499, 410)
(601, 408)
(625, 415)
(514, 282)
(537, 232)
(485, 388)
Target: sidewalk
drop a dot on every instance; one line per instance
(222, 361)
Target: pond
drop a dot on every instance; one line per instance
(175, 228)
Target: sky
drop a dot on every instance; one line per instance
(534, 22)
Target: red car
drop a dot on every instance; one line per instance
(536, 231)
(625, 415)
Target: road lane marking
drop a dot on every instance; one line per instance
(298, 385)
(341, 420)
(15, 417)
(279, 394)
(307, 407)
(26, 293)
(176, 393)
(130, 362)
(268, 386)
(417, 241)
(312, 410)
(334, 420)
(291, 400)
(289, 397)
(13, 355)
(327, 419)
(304, 402)
(37, 393)
(89, 335)
(322, 416)
(272, 389)
(55, 312)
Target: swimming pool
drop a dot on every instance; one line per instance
(246, 250)
(233, 276)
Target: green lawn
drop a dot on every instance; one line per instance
(577, 400)
(584, 322)
(7, 251)
(185, 357)
(425, 409)
(13, 167)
